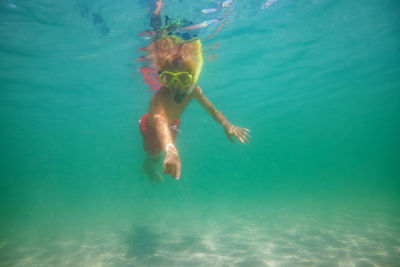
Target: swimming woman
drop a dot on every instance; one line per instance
(179, 63)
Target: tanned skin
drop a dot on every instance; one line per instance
(163, 110)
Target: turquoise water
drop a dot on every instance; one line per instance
(316, 82)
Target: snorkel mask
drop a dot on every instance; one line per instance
(184, 79)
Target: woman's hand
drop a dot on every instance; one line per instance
(172, 163)
(240, 133)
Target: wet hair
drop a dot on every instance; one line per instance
(174, 53)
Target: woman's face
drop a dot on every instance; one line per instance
(179, 82)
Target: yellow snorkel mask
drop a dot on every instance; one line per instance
(183, 78)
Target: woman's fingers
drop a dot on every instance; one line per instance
(242, 135)
(245, 139)
(246, 134)
(178, 172)
(172, 169)
(166, 168)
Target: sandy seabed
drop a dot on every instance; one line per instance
(245, 239)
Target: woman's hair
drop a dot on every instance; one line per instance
(173, 52)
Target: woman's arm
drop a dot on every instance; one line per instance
(230, 130)
(209, 107)
(172, 163)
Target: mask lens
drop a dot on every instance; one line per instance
(185, 79)
(166, 78)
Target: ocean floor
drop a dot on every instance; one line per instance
(251, 238)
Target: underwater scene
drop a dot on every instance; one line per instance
(316, 83)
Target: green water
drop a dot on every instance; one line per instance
(316, 82)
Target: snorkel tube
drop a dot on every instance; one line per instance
(199, 60)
